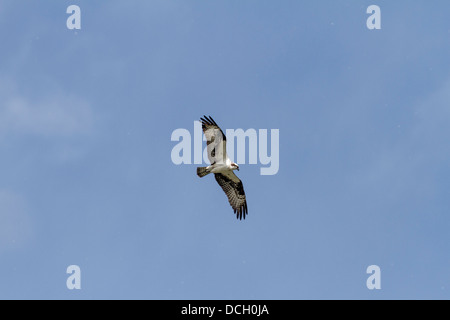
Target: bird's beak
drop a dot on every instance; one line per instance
(237, 168)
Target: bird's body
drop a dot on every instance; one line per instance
(220, 167)
(223, 167)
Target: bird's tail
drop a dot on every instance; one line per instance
(202, 171)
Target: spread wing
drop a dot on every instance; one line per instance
(234, 189)
(216, 141)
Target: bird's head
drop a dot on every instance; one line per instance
(234, 166)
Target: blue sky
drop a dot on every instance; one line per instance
(85, 124)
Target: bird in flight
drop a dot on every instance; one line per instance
(223, 167)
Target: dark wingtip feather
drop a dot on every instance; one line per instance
(207, 121)
(212, 121)
(241, 212)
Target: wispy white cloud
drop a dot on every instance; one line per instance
(56, 114)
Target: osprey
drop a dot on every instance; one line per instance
(222, 167)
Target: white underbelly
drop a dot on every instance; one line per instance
(218, 168)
